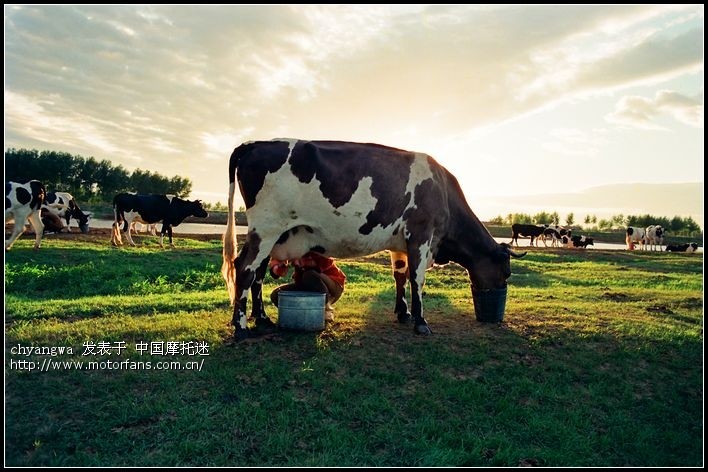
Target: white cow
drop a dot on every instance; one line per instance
(635, 236)
(23, 202)
(655, 235)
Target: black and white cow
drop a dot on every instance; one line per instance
(345, 199)
(63, 205)
(149, 209)
(654, 235)
(687, 247)
(525, 230)
(556, 233)
(22, 202)
(581, 241)
(635, 236)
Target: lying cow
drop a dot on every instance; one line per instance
(581, 241)
(525, 230)
(63, 205)
(23, 202)
(688, 247)
(169, 209)
(345, 199)
(52, 223)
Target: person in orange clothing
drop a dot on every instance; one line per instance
(313, 273)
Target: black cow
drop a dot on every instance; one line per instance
(582, 241)
(344, 199)
(22, 202)
(524, 230)
(152, 208)
(63, 205)
(688, 247)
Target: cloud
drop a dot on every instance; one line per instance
(640, 112)
(574, 142)
(159, 85)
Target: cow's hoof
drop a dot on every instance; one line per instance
(265, 325)
(241, 335)
(422, 329)
(404, 318)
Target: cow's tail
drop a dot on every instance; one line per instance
(228, 269)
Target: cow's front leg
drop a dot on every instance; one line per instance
(263, 323)
(169, 234)
(417, 264)
(399, 266)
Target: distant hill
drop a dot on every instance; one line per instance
(669, 200)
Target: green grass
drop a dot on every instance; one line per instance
(598, 363)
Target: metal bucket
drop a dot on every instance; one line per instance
(489, 304)
(301, 311)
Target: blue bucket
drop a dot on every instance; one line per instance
(301, 311)
(489, 304)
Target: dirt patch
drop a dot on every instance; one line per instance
(616, 297)
(659, 309)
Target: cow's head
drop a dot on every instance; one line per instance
(488, 274)
(490, 270)
(83, 219)
(196, 209)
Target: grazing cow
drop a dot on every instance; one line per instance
(556, 234)
(171, 210)
(63, 205)
(345, 199)
(654, 235)
(523, 230)
(635, 236)
(688, 247)
(582, 241)
(23, 202)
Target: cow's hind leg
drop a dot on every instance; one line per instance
(18, 229)
(263, 323)
(399, 265)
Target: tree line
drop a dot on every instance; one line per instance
(87, 179)
(682, 226)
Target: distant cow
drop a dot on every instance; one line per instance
(581, 241)
(22, 202)
(635, 236)
(152, 208)
(556, 233)
(688, 247)
(63, 205)
(524, 230)
(654, 235)
(344, 199)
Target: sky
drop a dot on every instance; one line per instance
(514, 100)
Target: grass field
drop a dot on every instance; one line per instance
(598, 362)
